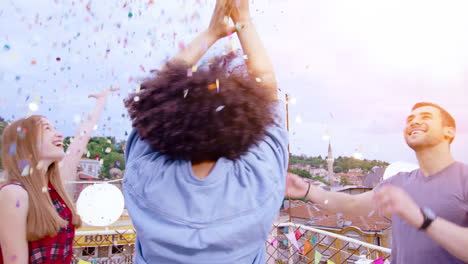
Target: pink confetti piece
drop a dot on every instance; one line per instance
(17, 204)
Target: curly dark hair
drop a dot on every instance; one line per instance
(189, 116)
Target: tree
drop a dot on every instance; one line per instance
(344, 181)
(320, 179)
(106, 150)
(301, 172)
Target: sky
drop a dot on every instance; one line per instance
(353, 69)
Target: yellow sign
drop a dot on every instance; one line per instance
(104, 240)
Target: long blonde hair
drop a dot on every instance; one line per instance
(21, 141)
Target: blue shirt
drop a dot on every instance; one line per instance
(224, 218)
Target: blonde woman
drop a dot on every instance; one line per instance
(38, 218)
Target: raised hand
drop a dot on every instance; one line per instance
(240, 11)
(103, 94)
(219, 24)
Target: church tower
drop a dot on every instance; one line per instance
(330, 161)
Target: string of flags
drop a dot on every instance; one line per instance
(309, 244)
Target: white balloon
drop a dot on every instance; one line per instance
(100, 204)
(399, 166)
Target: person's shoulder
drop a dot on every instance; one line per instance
(12, 194)
(400, 177)
(462, 166)
(136, 147)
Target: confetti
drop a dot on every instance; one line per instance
(23, 164)
(117, 163)
(17, 203)
(58, 59)
(6, 47)
(298, 119)
(25, 171)
(219, 108)
(33, 107)
(12, 149)
(77, 119)
(33, 62)
(258, 79)
(212, 86)
(189, 72)
(130, 15)
(194, 68)
(108, 150)
(186, 92)
(136, 98)
(44, 189)
(326, 202)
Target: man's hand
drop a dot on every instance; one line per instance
(393, 200)
(219, 25)
(296, 187)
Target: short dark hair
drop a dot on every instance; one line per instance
(447, 119)
(216, 111)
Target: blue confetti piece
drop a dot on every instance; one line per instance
(12, 149)
(22, 164)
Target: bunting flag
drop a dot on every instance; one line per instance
(83, 262)
(330, 262)
(292, 238)
(313, 239)
(317, 257)
(307, 248)
(379, 261)
(285, 242)
(298, 234)
(272, 242)
(285, 229)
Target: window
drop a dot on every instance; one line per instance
(118, 249)
(89, 251)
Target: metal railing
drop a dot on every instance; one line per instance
(287, 243)
(294, 243)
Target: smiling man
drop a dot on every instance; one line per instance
(428, 206)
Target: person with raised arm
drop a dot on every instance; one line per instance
(428, 206)
(207, 158)
(38, 218)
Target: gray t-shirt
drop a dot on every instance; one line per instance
(446, 193)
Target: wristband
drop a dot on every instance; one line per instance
(307, 193)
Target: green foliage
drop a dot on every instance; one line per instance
(347, 163)
(341, 164)
(314, 161)
(306, 174)
(107, 149)
(320, 179)
(344, 181)
(301, 172)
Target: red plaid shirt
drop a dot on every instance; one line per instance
(57, 249)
